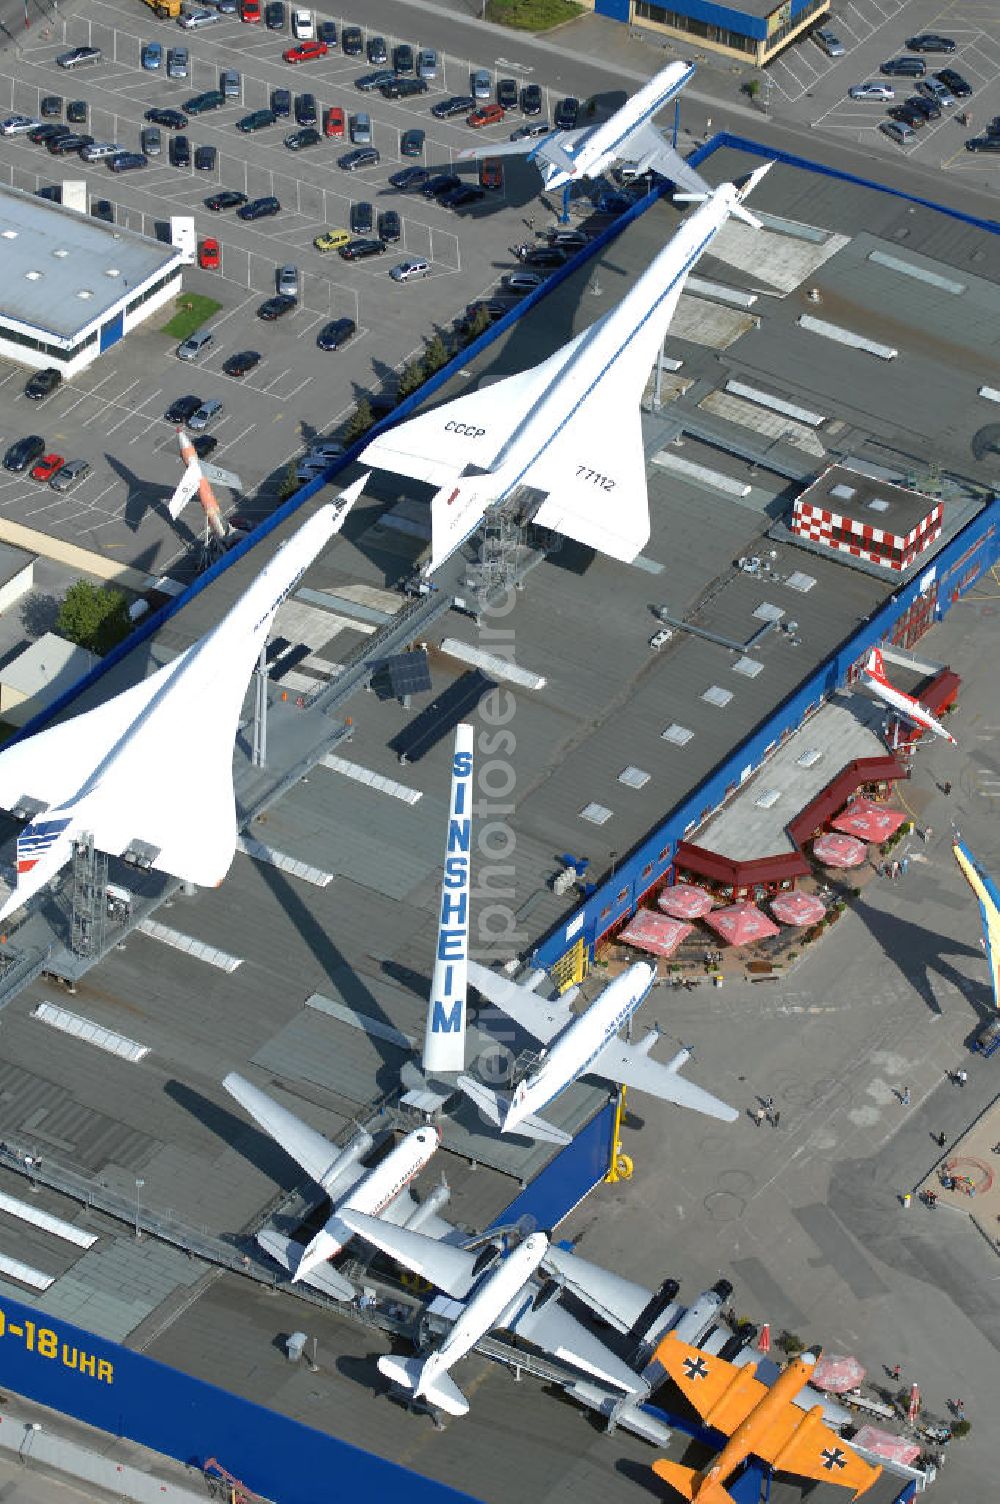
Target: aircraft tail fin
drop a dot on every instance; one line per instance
(495, 1107)
(440, 1391)
(690, 1484)
(875, 665)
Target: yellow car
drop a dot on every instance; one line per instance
(331, 240)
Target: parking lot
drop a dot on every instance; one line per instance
(116, 408)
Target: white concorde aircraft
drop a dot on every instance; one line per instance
(629, 135)
(576, 1045)
(568, 429)
(345, 1180)
(154, 764)
(877, 681)
(500, 1292)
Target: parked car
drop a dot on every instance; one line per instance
(930, 41)
(43, 134)
(196, 345)
(241, 364)
(898, 131)
(409, 179)
(228, 198)
(331, 240)
(210, 411)
(406, 271)
(411, 143)
(427, 64)
(127, 161)
(567, 113)
(480, 82)
(531, 100)
(491, 174)
(507, 94)
(205, 158)
(209, 255)
(489, 114)
(326, 31)
(305, 52)
(70, 474)
(458, 104)
(23, 452)
(287, 281)
(521, 282)
(276, 308)
(43, 383)
(871, 91)
(402, 57)
(66, 144)
(440, 183)
(281, 103)
(352, 42)
(180, 151)
(194, 20)
(178, 61)
(959, 86)
(19, 125)
(360, 250)
(929, 108)
(361, 157)
(274, 15)
(983, 143)
(151, 140)
(257, 120)
(307, 136)
(171, 120)
(571, 239)
(44, 469)
(362, 217)
(181, 409)
(76, 112)
(828, 41)
(151, 56)
(50, 106)
(103, 209)
(360, 128)
(259, 208)
(934, 89)
(333, 122)
(461, 197)
(390, 226)
(250, 12)
(212, 99)
(542, 255)
(336, 333)
(230, 83)
(305, 109)
(376, 51)
(904, 67)
(369, 82)
(403, 88)
(303, 25)
(79, 57)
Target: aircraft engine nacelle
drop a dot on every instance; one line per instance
(361, 1144)
(679, 1061)
(438, 1198)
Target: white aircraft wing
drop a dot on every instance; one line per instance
(649, 149)
(306, 1146)
(184, 490)
(594, 471)
(321, 1276)
(629, 1065)
(442, 1265)
(219, 477)
(542, 1019)
(619, 1301)
(549, 1326)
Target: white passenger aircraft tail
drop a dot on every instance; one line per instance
(495, 1108)
(438, 1388)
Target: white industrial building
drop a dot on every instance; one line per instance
(71, 285)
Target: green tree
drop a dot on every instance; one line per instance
(289, 482)
(413, 375)
(436, 355)
(477, 325)
(93, 616)
(359, 422)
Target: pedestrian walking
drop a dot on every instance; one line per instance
(758, 1116)
(894, 1372)
(946, 789)
(904, 1097)
(907, 1198)
(939, 1139)
(904, 865)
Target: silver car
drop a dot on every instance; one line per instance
(288, 281)
(209, 412)
(194, 20)
(71, 473)
(482, 87)
(177, 62)
(872, 91)
(427, 64)
(98, 150)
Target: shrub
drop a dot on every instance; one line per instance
(93, 616)
(789, 1343)
(359, 422)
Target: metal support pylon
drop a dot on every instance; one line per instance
(90, 881)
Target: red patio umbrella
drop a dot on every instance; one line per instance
(914, 1409)
(655, 933)
(741, 923)
(798, 908)
(764, 1340)
(870, 821)
(835, 850)
(837, 1374)
(684, 901)
(886, 1444)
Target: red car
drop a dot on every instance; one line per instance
(47, 467)
(333, 121)
(305, 52)
(250, 10)
(491, 173)
(490, 114)
(209, 255)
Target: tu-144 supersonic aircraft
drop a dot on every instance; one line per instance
(759, 1422)
(566, 434)
(581, 1045)
(499, 1292)
(629, 135)
(154, 765)
(377, 1192)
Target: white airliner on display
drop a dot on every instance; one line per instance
(878, 682)
(629, 135)
(576, 1045)
(568, 429)
(377, 1192)
(200, 477)
(154, 765)
(499, 1292)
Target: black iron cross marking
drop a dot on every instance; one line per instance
(833, 1457)
(696, 1368)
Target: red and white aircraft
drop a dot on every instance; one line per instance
(878, 683)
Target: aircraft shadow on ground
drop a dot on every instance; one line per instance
(919, 955)
(236, 1130)
(147, 496)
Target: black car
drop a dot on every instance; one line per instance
(525, 132)
(930, 41)
(507, 93)
(336, 333)
(359, 250)
(403, 88)
(276, 308)
(992, 127)
(904, 67)
(61, 146)
(51, 105)
(205, 158)
(43, 384)
(204, 444)
(307, 136)
(531, 100)
(352, 42)
(362, 218)
(259, 208)
(441, 182)
(182, 409)
(402, 58)
(212, 99)
(369, 82)
(274, 15)
(76, 112)
(411, 143)
(907, 115)
(326, 31)
(229, 198)
(541, 255)
(929, 108)
(172, 119)
(459, 198)
(458, 104)
(43, 134)
(305, 109)
(180, 151)
(567, 114)
(983, 143)
(361, 156)
(103, 209)
(281, 103)
(377, 51)
(241, 363)
(410, 179)
(257, 120)
(959, 86)
(24, 452)
(390, 226)
(52, 192)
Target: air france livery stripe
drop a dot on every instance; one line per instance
(35, 840)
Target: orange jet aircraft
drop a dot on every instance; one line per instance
(758, 1420)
